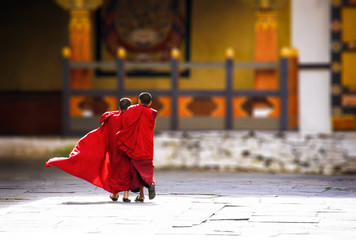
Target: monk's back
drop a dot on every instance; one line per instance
(139, 122)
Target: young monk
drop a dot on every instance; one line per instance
(97, 159)
(136, 140)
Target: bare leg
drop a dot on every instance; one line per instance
(126, 194)
(126, 197)
(141, 197)
(142, 194)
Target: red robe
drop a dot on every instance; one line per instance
(136, 140)
(97, 159)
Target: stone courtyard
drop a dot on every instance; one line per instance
(251, 185)
(41, 203)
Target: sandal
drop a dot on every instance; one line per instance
(138, 199)
(152, 191)
(114, 198)
(126, 200)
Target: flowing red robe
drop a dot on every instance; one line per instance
(136, 140)
(97, 159)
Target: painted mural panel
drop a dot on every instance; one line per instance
(343, 52)
(148, 30)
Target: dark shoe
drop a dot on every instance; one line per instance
(152, 191)
(126, 200)
(114, 198)
(138, 199)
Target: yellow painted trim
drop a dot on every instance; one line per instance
(80, 19)
(66, 52)
(294, 52)
(229, 52)
(175, 53)
(121, 52)
(285, 52)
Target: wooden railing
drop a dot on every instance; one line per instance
(286, 66)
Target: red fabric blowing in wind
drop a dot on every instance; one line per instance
(97, 159)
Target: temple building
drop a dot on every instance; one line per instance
(210, 65)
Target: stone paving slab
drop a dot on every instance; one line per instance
(165, 216)
(42, 203)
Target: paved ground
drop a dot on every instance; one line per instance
(46, 203)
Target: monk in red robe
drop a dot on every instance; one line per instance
(136, 140)
(97, 159)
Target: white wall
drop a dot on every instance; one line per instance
(310, 35)
(314, 101)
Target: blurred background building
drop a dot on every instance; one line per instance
(318, 35)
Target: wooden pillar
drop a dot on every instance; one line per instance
(65, 91)
(289, 88)
(293, 93)
(284, 65)
(229, 68)
(80, 39)
(266, 51)
(80, 43)
(174, 87)
(120, 63)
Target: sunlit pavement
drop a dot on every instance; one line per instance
(46, 203)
